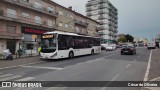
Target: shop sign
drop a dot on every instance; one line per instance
(28, 30)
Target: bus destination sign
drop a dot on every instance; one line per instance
(47, 36)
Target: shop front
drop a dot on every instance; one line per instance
(31, 40)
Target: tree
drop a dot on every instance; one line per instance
(129, 38)
(122, 39)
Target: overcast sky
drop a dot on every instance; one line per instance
(140, 18)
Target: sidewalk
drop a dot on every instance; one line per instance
(154, 72)
(4, 64)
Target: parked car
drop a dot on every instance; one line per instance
(103, 46)
(108, 47)
(151, 45)
(111, 47)
(128, 49)
(119, 46)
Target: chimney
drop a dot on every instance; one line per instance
(70, 7)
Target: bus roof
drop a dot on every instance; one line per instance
(66, 33)
(59, 32)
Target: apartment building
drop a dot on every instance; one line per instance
(24, 21)
(105, 13)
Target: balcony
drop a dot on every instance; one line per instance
(89, 9)
(88, 4)
(101, 7)
(101, 33)
(109, 19)
(32, 6)
(101, 23)
(98, 29)
(5, 34)
(102, 1)
(89, 14)
(77, 22)
(110, 24)
(25, 20)
(101, 12)
(101, 17)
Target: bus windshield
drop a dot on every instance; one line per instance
(49, 43)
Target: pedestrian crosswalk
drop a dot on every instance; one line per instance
(13, 77)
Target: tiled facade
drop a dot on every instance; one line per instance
(105, 13)
(23, 21)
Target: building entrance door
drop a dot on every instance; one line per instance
(11, 45)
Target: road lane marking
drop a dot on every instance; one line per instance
(41, 67)
(113, 79)
(128, 65)
(155, 79)
(148, 67)
(25, 79)
(9, 78)
(5, 75)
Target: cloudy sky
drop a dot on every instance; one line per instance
(140, 18)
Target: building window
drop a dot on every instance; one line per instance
(37, 5)
(60, 13)
(26, 15)
(50, 22)
(66, 25)
(38, 20)
(71, 16)
(60, 24)
(11, 29)
(50, 9)
(11, 13)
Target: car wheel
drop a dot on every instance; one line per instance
(92, 52)
(122, 53)
(71, 54)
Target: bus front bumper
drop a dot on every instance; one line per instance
(48, 55)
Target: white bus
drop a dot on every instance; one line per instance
(56, 45)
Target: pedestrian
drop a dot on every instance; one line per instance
(157, 45)
(39, 50)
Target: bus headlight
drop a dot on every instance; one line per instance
(54, 55)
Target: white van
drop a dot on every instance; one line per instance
(151, 45)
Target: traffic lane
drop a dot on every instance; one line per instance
(100, 69)
(140, 52)
(117, 64)
(80, 59)
(32, 72)
(136, 66)
(61, 61)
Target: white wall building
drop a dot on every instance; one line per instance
(105, 13)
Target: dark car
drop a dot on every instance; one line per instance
(128, 49)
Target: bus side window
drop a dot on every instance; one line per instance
(69, 41)
(62, 42)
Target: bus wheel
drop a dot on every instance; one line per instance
(92, 52)
(71, 54)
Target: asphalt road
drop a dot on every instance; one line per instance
(106, 66)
